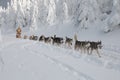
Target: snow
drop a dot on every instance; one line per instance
(0, 37)
(28, 60)
(24, 59)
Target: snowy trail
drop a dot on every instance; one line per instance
(110, 58)
(23, 65)
(25, 54)
(66, 67)
(92, 60)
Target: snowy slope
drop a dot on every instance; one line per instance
(33, 60)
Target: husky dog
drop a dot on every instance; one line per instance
(81, 45)
(95, 46)
(85, 45)
(77, 45)
(57, 40)
(47, 39)
(68, 41)
(33, 37)
(42, 37)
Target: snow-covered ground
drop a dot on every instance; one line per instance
(91, 20)
(33, 60)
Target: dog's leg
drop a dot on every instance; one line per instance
(98, 53)
(87, 50)
(69, 45)
(91, 51)
(59, 44)
(74, 47)
(53, 42)
(84, 49)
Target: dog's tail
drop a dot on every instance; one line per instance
(75, 37)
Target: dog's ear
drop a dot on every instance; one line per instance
(51, 37)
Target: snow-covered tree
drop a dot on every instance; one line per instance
(10, 17)
(87, 12)
(33, 13)
(34, 17)
(65, 9)
(20, 14)
(52, 12)
(42, 12)
(27, 17)
(2, 19)
(0, 36)
(1, 22)
(113, 19)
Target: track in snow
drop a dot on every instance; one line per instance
(110, 56)
(65, 67)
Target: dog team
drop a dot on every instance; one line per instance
(86, 46)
